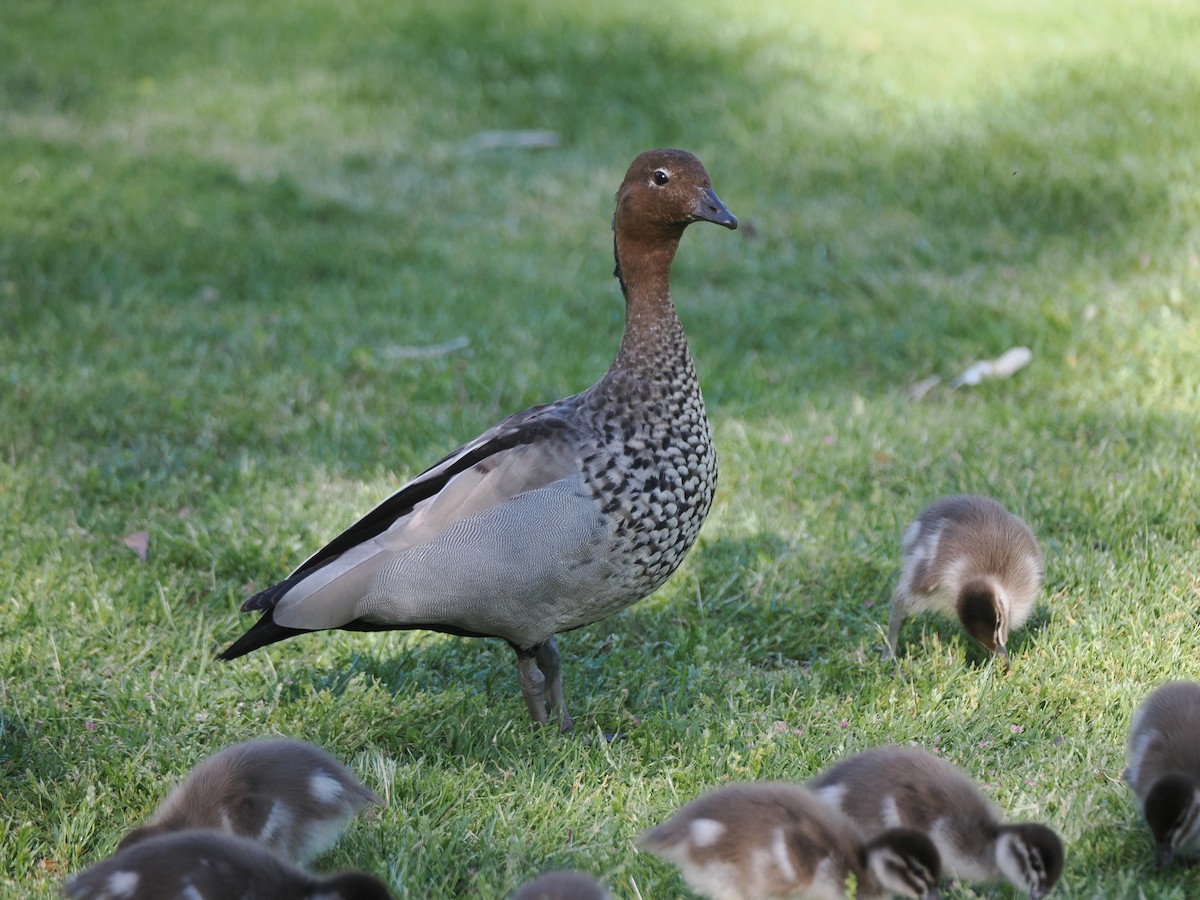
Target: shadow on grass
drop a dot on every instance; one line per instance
(925, 628)
(15, 738)
(761, 601)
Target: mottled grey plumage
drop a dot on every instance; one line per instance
(904, 787)
(562, 886)
(562, 514)
(968, 557)
(1163, 769)
(770, 839)
(212, 865)
(290, 795)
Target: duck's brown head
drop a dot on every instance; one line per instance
(664, 191)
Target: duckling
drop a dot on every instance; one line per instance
(562, 514)
(967, 556)
(202, 864)
(562, 886)
(287, 794)
(770, 839)
(1163, 768)
(891, 787)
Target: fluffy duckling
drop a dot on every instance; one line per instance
(562, 886)
(562, 514)
(211, 865)
(771, 840)
(904, 787)
(287, 794)
(967, 556)
(1163, 768)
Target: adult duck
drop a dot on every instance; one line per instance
(562, 514)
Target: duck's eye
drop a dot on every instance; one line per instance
(661, 177)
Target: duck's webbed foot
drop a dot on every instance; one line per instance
(540, 673)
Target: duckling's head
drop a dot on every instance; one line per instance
(1030, 856)
(1172, 810)
(562, 886)
(352, 886)
(904, 862)
(983, 611)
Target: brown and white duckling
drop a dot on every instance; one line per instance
(204, 864)
(562, 514)
(968, 557)
(562, 886)
(1163, 769)
(290, 795)
(904, 787)
(771, 839)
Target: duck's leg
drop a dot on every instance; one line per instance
(548, 662)
(538, 668)
(533, 683)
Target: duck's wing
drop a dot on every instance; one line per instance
(528, 450)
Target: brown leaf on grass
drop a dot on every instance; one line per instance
(138, 542)
(51, 866)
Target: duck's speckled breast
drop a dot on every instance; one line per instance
(654, 468)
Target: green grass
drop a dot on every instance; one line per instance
(219, 222)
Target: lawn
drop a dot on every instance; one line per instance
(257, 268)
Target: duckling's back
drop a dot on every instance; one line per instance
(759, 840)
(1164, 736)
(287, 794)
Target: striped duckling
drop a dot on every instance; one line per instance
(905, 787)
(1163, 768)
(203, 864)
(967, 556)
(769, 840)
(562, 886)
(289, 795)
(562, 514)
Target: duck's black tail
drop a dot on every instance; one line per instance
(264, 632)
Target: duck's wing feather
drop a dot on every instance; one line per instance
(528, 450)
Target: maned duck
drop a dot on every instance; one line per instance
(760, 840)
(904, 787)
(968, 557)
(560, 515)
(210, 865)
(287, 794)
(1163, 768)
